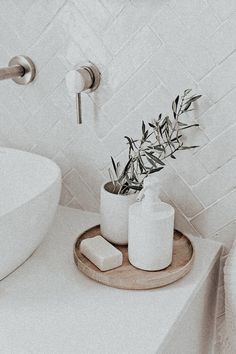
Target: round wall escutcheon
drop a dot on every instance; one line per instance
(29, 69)
(94, 74)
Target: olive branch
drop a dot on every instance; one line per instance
(160, 140)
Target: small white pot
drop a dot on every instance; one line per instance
(114, 209)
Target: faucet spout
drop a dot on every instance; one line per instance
(11, 72)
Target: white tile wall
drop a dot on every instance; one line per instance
(147, 51)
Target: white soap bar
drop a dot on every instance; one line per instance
(101, 253)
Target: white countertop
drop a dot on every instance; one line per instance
(47, 306)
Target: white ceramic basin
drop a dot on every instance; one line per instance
(30, 189)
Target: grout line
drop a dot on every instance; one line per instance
(129, 112)
(212, 204)
(215, 68)
(99, 37)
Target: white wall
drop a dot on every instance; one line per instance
(148, 51)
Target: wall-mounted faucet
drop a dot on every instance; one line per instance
(84, 79)
(20, 69)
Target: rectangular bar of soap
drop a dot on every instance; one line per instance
(101, 253)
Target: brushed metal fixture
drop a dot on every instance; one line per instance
(20, 69)
(84, 79)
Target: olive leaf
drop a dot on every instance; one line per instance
(187, 91)
(175, 106)
(114, 165)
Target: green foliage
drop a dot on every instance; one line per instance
(160, 140)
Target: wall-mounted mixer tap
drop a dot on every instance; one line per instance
(84, 79)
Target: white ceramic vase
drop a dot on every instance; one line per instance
(114, 210)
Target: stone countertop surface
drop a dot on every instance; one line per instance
(47, 306)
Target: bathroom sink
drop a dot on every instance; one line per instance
(30, 190)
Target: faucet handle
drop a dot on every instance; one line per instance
(74, 81)
(78, 108)
(78, 80)
(84, 79)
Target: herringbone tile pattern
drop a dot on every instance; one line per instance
(147, 51)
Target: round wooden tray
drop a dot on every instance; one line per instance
(131, 278)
